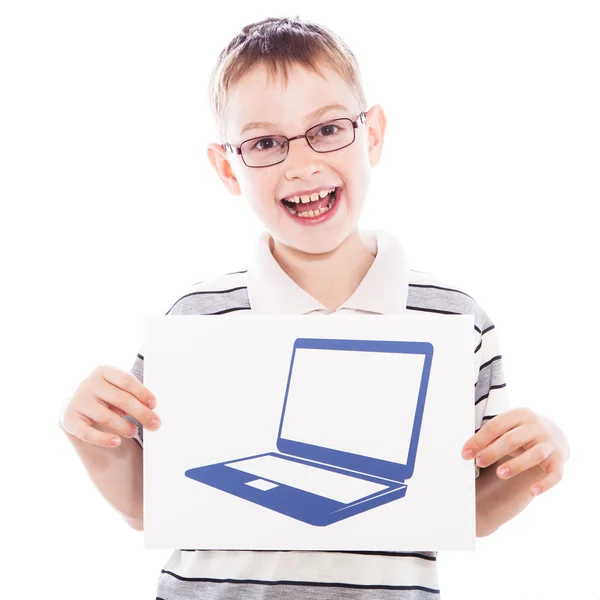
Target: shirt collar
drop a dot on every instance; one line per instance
(383, 290)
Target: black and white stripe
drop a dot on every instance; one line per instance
(275, 574)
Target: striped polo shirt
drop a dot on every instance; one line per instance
(389, 287)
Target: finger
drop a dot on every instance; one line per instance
(532, 457)
(129, 383)
(130, 405)
(101, 415)
(495, 428)
(554, 474)
(83, 428)
(115, 409)
(504, 445)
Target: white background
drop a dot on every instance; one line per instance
(109, 211)
(211, 417)
(324, 380)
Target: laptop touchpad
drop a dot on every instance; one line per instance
(261, 484)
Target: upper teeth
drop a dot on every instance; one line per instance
(310, 197)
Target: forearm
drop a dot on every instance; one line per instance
(500, 500)
(117, 473)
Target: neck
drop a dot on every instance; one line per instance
(330, 278)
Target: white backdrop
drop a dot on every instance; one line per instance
(109, 211)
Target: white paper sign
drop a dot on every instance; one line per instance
(310, 433)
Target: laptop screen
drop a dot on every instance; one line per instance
(334, 401)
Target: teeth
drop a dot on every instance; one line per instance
(309, 197)
(304, 199)
(315, 213)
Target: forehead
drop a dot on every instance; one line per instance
(257, 97)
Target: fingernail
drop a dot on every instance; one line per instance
(152, 403)
(468, 454)
(536, 490)
(154, 424)
(479, 461)
(115, 441)
(503, 472)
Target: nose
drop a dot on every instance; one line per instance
(302, 161)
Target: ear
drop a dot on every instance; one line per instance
(376, 124)
(217, 155)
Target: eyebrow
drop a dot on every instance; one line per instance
(312, 115)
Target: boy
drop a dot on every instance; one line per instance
(306, 173)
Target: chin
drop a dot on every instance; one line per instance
(316, 243)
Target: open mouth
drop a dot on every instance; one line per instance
(313, 205)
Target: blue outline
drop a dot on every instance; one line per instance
(356, 462)
(308, 507)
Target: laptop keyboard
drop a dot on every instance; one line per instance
(336, 486)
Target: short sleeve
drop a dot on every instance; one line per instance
(490, 384)
(137, 369)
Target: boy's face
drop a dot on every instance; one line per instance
(288, 112)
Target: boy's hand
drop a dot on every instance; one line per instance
(526, 436)
(102, 399)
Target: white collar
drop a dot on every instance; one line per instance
(383, 290)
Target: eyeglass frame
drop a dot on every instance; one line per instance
(360, 120)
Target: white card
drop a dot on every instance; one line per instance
(310, 433)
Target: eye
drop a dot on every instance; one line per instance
(329, 129)
(266, 143)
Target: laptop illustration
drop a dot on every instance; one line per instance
(348, 433)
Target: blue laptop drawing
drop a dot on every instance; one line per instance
(337, 457)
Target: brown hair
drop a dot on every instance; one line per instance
(280, 44)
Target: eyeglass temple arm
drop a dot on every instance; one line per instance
(231, 148)
(362, 118)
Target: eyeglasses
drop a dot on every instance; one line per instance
(268, 150)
